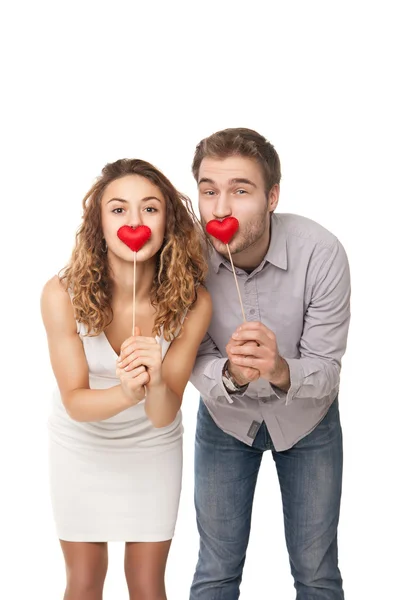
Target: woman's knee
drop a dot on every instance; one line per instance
(85, 582)
(147, 588)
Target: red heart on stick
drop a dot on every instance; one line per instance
(134, 238)
(223, 230)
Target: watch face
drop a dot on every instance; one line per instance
(228, 384)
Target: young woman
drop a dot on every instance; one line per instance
(115, 428)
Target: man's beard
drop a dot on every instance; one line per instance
(246, 236)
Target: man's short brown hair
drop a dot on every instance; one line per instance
(240, 142)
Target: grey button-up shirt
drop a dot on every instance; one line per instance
(301, 291)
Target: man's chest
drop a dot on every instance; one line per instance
(280, 305)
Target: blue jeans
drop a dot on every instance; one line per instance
(310, 478)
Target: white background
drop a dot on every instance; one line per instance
(87, 83)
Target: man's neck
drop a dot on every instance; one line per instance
(251, 257)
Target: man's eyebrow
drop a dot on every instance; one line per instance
(231, 181)
(145, 199)
(242, 180)
(205, 180)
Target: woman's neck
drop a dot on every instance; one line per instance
(122, 277)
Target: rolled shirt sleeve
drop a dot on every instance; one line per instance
(316, 373)
(207, 372)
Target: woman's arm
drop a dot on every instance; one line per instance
(70, 367)
(168, 378)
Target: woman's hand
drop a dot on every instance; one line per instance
(139, 351)
(133, 383)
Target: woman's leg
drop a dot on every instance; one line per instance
(145, 569)
(86, 565)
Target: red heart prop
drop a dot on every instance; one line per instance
(134, 238)
(223, 230)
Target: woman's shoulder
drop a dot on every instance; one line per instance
(56, 303)
(202, 307)
(203, 297)
(55, 286)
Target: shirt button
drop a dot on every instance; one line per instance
(252, 311)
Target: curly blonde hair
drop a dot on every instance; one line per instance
(181, 264)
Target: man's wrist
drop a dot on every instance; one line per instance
(230, 383)
(281, 378)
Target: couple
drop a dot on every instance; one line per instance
(269, 383)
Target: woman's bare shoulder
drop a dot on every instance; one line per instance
(56, 304)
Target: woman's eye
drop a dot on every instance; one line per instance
(118, 211)
(150, 209)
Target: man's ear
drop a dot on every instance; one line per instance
(273, 197)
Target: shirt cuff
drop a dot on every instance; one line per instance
(296, 381)
(213, 371)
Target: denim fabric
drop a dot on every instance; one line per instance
(310, 477)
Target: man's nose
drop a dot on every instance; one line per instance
(222, 207)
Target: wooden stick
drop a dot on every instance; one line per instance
(134, 293)
(237, 285)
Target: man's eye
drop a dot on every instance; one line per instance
(240, 192)
(209, 193)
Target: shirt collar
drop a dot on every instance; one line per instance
(276, 254)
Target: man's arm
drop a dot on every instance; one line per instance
(323, 342)
(207, 372)
(326, 323)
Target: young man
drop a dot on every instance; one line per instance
(270, 383)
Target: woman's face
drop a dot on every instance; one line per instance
(133, 200)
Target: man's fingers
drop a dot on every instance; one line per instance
(253, 330)
(232, 342)
(243, 374)
(247, 350)
(246, 361)
(258, 336)
(252, 326)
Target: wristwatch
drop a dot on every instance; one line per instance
(230, 384)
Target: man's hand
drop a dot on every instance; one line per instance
(242, 375)
(262, 356)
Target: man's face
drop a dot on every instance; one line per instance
(235, 187)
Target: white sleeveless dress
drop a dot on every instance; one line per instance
(117, 479)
